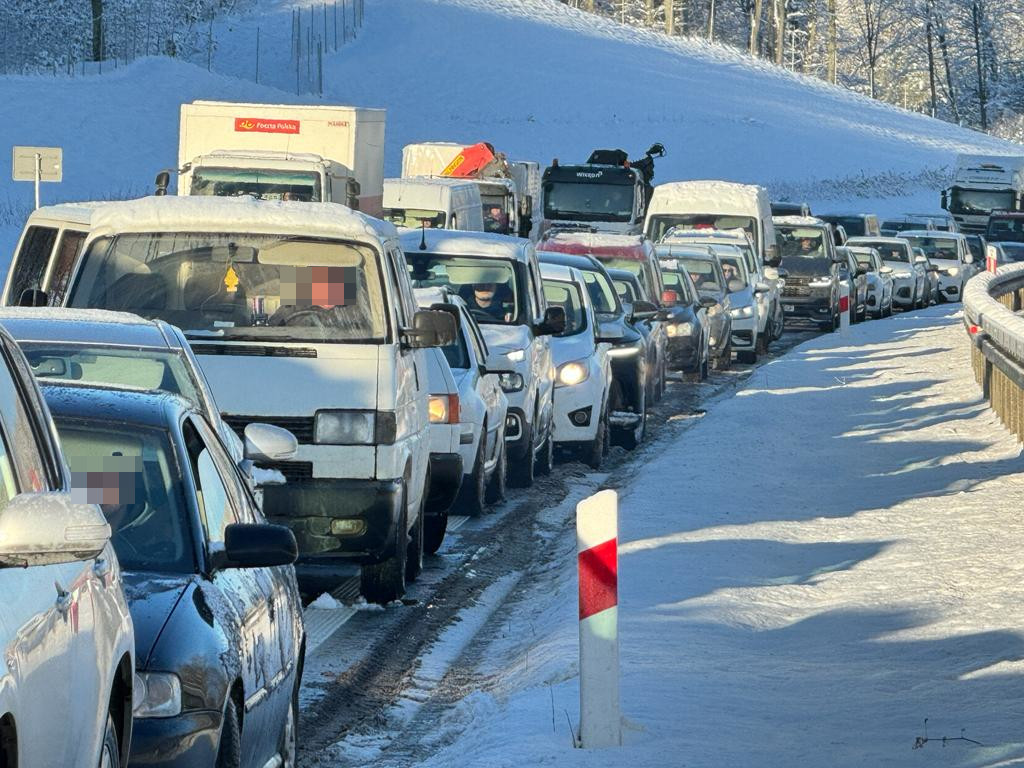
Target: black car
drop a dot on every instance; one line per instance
(706, 276)
(812, 272)
(211, 588)
(629, 356)
(689, 331)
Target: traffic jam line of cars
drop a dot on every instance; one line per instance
(213, 406)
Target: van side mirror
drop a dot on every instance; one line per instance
(430, 328)
(352, 190)
(553, 322)
(33, 297)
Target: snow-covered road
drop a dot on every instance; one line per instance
(829, 558)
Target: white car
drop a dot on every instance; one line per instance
(950, 252)
(66, 636)
(910, 281)
(499, 279)
(745, 306)
(583, 375)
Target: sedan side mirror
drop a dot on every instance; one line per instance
(762, 288)
(885, 271)
(968, 258)
(861, 269)
(771, 255)
(643, 310)
(920, 259)
(430, 328)
(553, 322)
(258, 545)
(267, 443)
(48, 528)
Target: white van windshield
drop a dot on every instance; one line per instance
(660, 224)
(239, 287)
(414, 218)
(261, 183)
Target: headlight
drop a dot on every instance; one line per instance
(156, 694)
(901, 275)
(953, 271)
(747, 311)
(444, 409)
(354, 428)
(516, 355)
(679, 329)
(819, 284)
(571, 374)
(510, 382)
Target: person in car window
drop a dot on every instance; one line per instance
(730, 272)
(809, 245)
(487, 299)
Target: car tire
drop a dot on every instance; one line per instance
(631, 439)
(472, 499)
(724, 361)
(110, 750)
(762, 342)
(521, 474)
(748, 356)
(414, 551)
(593, 453)
(546, 457)
(229, 751)
(384, 582)
(289, 749)
(434, 529)
(497, 484)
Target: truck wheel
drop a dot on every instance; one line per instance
(385, 581)
(434, 529)
(414, 553)
(520, 473)
(499, 475)
(472, 498)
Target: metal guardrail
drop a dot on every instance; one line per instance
(992, 305)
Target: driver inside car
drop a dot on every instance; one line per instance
(316, 296)
(487, 299)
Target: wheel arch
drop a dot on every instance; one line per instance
(120, 705)
(8, 741)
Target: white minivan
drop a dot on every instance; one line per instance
(685, 205)
(499, 279)
(301, 316)
(435, 202)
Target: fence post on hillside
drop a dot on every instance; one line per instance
(597, 563)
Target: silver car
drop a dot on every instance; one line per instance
(65, 633)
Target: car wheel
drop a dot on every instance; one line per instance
(594, 451)
(434, 529)
(546, 457)
(473, 495)
(290, 733)
(385, 581)
(762, 342)
(496, 485)
(229, 752)
(521, 473)
(631, 439)
(414, 554)
(110, 751)
(748, 356)
(780, 325)
(724, 361)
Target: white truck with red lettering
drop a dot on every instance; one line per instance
(282, 152)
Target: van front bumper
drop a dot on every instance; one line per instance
(336, 519)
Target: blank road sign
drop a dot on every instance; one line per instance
(51, 163)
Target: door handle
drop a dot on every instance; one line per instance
(63, 599)
(101, 569)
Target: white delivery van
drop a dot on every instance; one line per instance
(437, 203)
(683, 205)
(282, 152)
(301, 316)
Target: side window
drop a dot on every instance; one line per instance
(67, 253)
(8, 480)
(477, 342)
(536, 302)
(28, 460)
(214, 508)
(239, 496)
(396, 266)
(404, 284)
(30, 264)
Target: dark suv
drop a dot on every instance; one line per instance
(810, 260)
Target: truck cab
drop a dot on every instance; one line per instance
(608, 196)
(301, 316)
(983, 184)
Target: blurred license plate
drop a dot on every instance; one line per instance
(788, 307)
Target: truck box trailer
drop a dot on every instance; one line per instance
(283, 151)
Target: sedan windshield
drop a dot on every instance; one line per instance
(801, 241)
(263, 288)
(936, 247)
(561, 293)
(1011, 252)
(262, 183)
(489, 286)
(119, 367)
(130, 471)
(1006, 229)
(588, 202)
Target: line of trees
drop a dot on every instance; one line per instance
(958, 60)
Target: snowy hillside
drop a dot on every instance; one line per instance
(557, 85)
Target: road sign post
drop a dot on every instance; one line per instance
(37, 164)
(598, 566)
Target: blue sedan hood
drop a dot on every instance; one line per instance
(152, 598)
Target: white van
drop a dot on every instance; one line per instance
(684, 205)
(435, 202)
(301, 316)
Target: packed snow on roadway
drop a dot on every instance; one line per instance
(809, 595)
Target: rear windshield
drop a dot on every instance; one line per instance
(562, 293)
(703, 273)
(936, 247)
(888, 251)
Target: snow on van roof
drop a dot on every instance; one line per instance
(798, 221)
(236, 214)
(430, 181)
(458, 243)
(79, 213)
(725, 197)
(868, 239)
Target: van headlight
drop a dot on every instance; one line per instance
(571, 374)
(156, 694)
(354, 428)
(901, 275)
(747, 311)
(511, 382)
(953, 271)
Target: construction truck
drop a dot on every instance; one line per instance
(982, 184)
(507, 188)
(281, 152)
(609, 192)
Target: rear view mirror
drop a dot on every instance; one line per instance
(771, 255)
(267, 443)
(553, 322)
(430, 328)
(258, 545)
(49, 528)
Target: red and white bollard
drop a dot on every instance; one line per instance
(844, 308)
(991, 259)
(598, 564)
